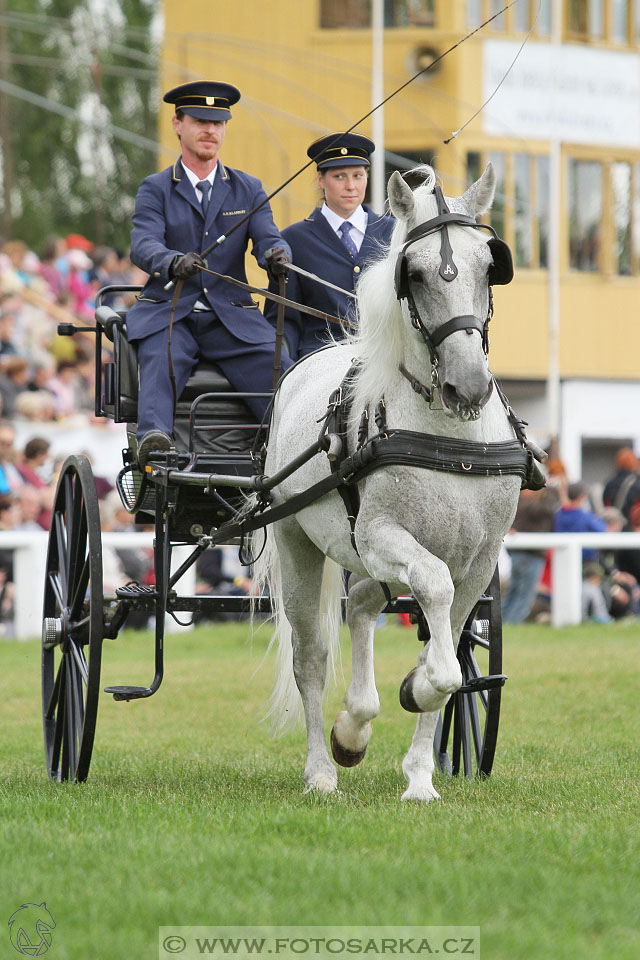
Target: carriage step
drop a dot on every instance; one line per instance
(131, 590)
(483, 683)
(128, 693)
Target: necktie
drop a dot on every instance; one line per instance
(347, 239)
(204, 186)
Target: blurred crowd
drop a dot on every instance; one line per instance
(46, 378)
(611, 578)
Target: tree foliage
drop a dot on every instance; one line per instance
(68, 163)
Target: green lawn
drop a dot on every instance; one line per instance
(193, 815)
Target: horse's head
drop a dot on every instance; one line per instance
(444, 269)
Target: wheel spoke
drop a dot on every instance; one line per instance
(70, 712)
(55, 695)
(81, 663)
(455, 748)
(474, 720)
(61, 540)
(473, 672)
(81, 588)
(78, 702)
(59, 725)
(54, 583)
(81, 628)
(463, 709)
(77, 539)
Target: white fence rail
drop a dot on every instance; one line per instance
(566, 564)
(30, 553)
(29, 565)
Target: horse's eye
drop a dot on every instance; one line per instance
(416, 275)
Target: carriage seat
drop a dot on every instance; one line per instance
(221, 425)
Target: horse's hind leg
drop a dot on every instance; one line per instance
(302, 565)
(352, 727)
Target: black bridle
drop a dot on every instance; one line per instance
(500, 272)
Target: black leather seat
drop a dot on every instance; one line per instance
(221, 424)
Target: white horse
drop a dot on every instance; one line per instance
(432, 534)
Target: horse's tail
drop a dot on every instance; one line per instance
(284, 707)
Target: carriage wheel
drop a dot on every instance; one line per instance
(462, 741)
(72, 627)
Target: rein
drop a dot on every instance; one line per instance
(277, 298)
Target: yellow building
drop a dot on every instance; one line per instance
(572, 91)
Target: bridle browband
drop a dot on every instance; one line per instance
(501, 272)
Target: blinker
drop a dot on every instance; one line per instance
(501, 271)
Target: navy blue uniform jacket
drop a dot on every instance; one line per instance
(168, 221)
(316, 247)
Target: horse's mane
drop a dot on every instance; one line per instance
(378, 340)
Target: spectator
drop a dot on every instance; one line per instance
(575, 516)
(8, 518)
(54, 248)
(63, 386)
(29, 503)
(594, 605)
(10, 305)
(629, 560)
(14, 380)
(10, 478)
(38, 406)
(536, 509)
(34, 458)
(623, 489)
(35, 470)
(78, 283)
(621, 589)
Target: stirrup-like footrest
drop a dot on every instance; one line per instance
(483, 683)
(131, 590)
(128, 693)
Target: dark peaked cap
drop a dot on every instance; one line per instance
(341, 150)
(204, 99)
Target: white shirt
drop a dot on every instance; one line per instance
(199, 305)
(194, 179)
(358, 221)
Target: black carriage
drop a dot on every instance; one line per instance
(191, 496)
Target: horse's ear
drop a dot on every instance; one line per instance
(479, 196)
(400, 197)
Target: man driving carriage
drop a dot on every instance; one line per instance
(179, 212)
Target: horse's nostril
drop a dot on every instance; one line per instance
(466, 395)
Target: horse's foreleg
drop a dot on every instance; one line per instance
(352, 728)
(396, 557)
(302, 566)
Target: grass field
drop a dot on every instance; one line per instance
(193, 815)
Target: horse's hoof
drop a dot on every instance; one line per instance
(346, 758)
(407, 701)
(322, 783)
(424, 794)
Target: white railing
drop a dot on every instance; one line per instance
(566, 564)
(30, 553)
(29, 566)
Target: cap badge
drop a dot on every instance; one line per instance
(210, 101)
(343, 151)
